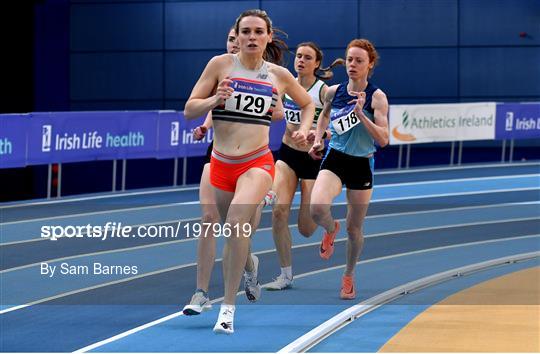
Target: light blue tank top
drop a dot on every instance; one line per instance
(349, 135)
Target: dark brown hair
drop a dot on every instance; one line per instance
(322, 73)
(276, 49)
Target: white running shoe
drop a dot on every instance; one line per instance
(279, 283)
(199, 303)
(225, 321)
(270, 198)
(251, 284)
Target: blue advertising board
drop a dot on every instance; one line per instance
(13, 129)
(517, 121)
(56, 137)
(83, 136)
(176, 136)
(277, 129)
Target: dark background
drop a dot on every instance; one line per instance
(115, 55)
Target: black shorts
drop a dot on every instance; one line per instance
(300, 162)
(355, 172)
(209, 152)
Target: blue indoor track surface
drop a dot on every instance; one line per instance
(420, 222)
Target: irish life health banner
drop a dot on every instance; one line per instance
(426, 123)
(518, 121)
(176, 136)
(84, 136)
(13, 140)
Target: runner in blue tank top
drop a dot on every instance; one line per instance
(294, 166)
(357, 113)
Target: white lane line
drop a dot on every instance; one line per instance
(462, 167)
(220, 259)
(454, 194)
(296, 207)
(337, 322)
(457, 180)
(73, 292)
(167, 243)
(157, 206)
(166, 318)
(113, 211)
(469, 207)
(155, 223)
(97, 197)
(181, 189)
(98, 253)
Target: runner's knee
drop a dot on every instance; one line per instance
(280, 213)
(318, 211)
(211, 217)
(354, 232)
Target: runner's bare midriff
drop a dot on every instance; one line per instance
(236, 139)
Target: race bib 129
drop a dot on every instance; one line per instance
(250, 97)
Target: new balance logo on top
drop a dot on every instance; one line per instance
(262, 76)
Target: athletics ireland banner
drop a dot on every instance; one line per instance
(426, 123)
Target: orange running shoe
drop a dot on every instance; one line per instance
(327, 244)
(348, 291)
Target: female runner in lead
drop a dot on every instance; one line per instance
(241, 90)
